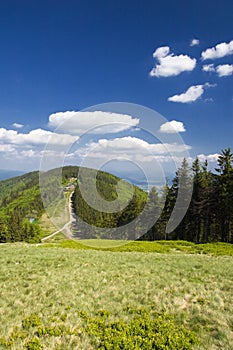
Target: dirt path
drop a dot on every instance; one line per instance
(66, 228)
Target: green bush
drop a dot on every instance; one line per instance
(32, 321)
(145, 330)
(33, 344)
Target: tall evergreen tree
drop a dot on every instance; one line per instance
(182, 192)
(225, 193)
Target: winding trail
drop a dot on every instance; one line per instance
(66, 228)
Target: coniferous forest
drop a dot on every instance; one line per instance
(209, 217)
(210, 214)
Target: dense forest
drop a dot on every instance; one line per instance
(20, 206)
(210, 213)
(106, 185)
(209, 216)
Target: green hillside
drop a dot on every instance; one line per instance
(102, 220)
(21, 205)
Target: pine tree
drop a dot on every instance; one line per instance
(152, 212)
(181, 192)
(225, 193)
(4, 232)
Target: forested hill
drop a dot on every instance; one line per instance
(130, 203)
(21, 205)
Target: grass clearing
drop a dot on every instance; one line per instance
(54, 282)
(46, 225)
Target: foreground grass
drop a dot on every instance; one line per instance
(59, 282)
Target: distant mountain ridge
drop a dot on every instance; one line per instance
(8, 174)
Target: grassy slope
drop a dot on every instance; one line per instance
(45, 280)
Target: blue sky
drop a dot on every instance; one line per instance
(61, 56)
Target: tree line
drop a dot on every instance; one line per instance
(209, 217)
(206, 203)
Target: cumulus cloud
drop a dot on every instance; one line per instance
(34, 137)
(224, 70)
(131, 148)
(218, 51)
(212, 158)
(17, 125)
(192, 94)
(96, 122)
(194, 42)
(169, 64)
(172, 127)
(208, 68)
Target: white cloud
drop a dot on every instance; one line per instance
(96, 122)
(172, 127)
(50, 154)
(131, 148)
(161, 52)
(208, 68)
(212, 158)
(29, 153)
(224, 70)
(17, 125)
(194, 42)
(35, 137)
(220, 50)
(192, 94)
(25, 150)
(7, 148)
(208, 85)
(169, 64)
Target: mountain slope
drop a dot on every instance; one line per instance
(113, 203)
(21, 204)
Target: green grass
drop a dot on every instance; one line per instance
(58, 285)
(215, 249)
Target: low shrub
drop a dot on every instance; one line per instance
(144, 329)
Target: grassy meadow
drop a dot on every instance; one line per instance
(50, 286)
